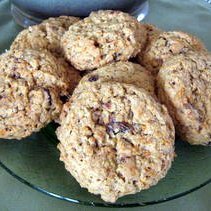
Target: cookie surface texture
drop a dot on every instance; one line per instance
(168, 44)
(123, 72)
(44, 36)
(184, 86)
(115, 139)
(31, 83)
(102, 38)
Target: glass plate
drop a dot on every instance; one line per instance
(35, 160)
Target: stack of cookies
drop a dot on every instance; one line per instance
(116, 129)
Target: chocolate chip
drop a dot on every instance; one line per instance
(118, 127)
(49, 96)
(93, 78)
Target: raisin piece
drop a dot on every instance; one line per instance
(124, 159)
(128, 39)
(118, 127)
(96, 44)
(128, 141)
(93, 78)
(97, 117)
(116, 56)
(64, 98)
(107, 105)
(16, 75)
(121, 176)
(135, 182)
(173, 83)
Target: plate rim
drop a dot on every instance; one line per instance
(99, 204)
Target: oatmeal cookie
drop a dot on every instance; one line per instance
(166, 45)
(31, 83)
(123, 72)
(103, 37)
(115, 139)
(41, 68)
(152, 32)
(184, 86)
(45, 36)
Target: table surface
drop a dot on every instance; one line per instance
(195, 16)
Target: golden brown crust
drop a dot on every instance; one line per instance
(107, 143)
(152, 32)
(123, 72)
(45, 36)
(31, 83)
(166, 45)
(184, 86)
(103, 37)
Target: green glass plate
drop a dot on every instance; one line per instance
(35, 160)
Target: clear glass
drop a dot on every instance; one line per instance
(35, 160)
(26, 17)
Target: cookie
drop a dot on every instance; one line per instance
(123, 72)
(115, 139)
(184, 86)
(102, 38)
(152, 32)
(45, 36)
(42, 68)
(31, 83)
(167, 44)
